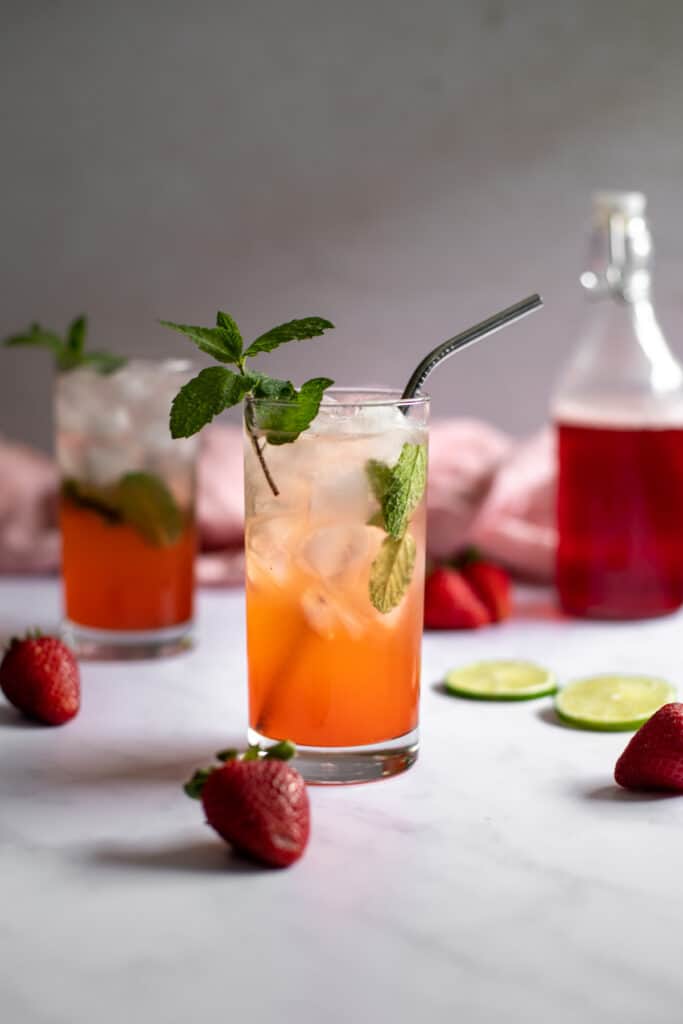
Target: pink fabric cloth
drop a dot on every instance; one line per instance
(29, 541)
(484, 489)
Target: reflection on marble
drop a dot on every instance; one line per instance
(503, 878)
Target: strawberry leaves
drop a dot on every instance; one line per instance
(282, 751)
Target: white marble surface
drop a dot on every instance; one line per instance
(503, 878)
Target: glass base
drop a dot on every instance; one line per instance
(127, 645)
(339, 766)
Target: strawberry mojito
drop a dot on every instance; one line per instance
(126, 510)
(335, 552)
(335, 583)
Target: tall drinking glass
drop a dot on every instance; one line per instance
(126, 511)
(334, 601)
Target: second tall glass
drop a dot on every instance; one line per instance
(126, 511)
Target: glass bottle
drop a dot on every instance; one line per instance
(618, 413)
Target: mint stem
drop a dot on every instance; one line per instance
(266, 472)
(257, 447)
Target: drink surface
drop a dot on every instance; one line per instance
(127, 498)
(326, 668)
(620, 509)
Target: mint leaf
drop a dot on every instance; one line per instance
(271, 387)
(70, 352)
(98, 498)
(209, 393)
(391, 572)
(146, 503)
(140, 499)
(379, 477)
(36, 335)
(282, 423)
(228, 324)
(407, 485)
(224, 342)
(75, 340)
(398, 490)
(293, 330)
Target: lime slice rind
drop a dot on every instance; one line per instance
(612, 703)
(501, 680)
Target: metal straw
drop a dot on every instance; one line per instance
(468, 337)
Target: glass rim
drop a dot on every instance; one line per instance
(174, 364)
(346, 397)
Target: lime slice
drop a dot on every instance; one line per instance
(612, 703)
(501, 680)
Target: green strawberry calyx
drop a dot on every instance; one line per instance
(282, 751)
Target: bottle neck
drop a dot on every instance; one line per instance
(620, 259)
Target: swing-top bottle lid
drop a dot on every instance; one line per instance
(620, 249)
(608, 202)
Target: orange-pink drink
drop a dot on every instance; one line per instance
(127, 510)
(335, 578)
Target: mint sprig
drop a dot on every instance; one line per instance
(69, 351)
(289, 411)
(398, 490)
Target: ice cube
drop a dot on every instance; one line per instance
(340, 488)
(77, 400)
(70, 417)
(344, 418)
(328, 616)
(106, 463)
(135, 382)
(337, 553)
(109, 422)
(268, 544)
(70, 454)
(291, 480)
(156, 437)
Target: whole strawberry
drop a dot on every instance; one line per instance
(257, 803)
(451, 603)
(491, 584)
(40, 676)
(653, 758)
